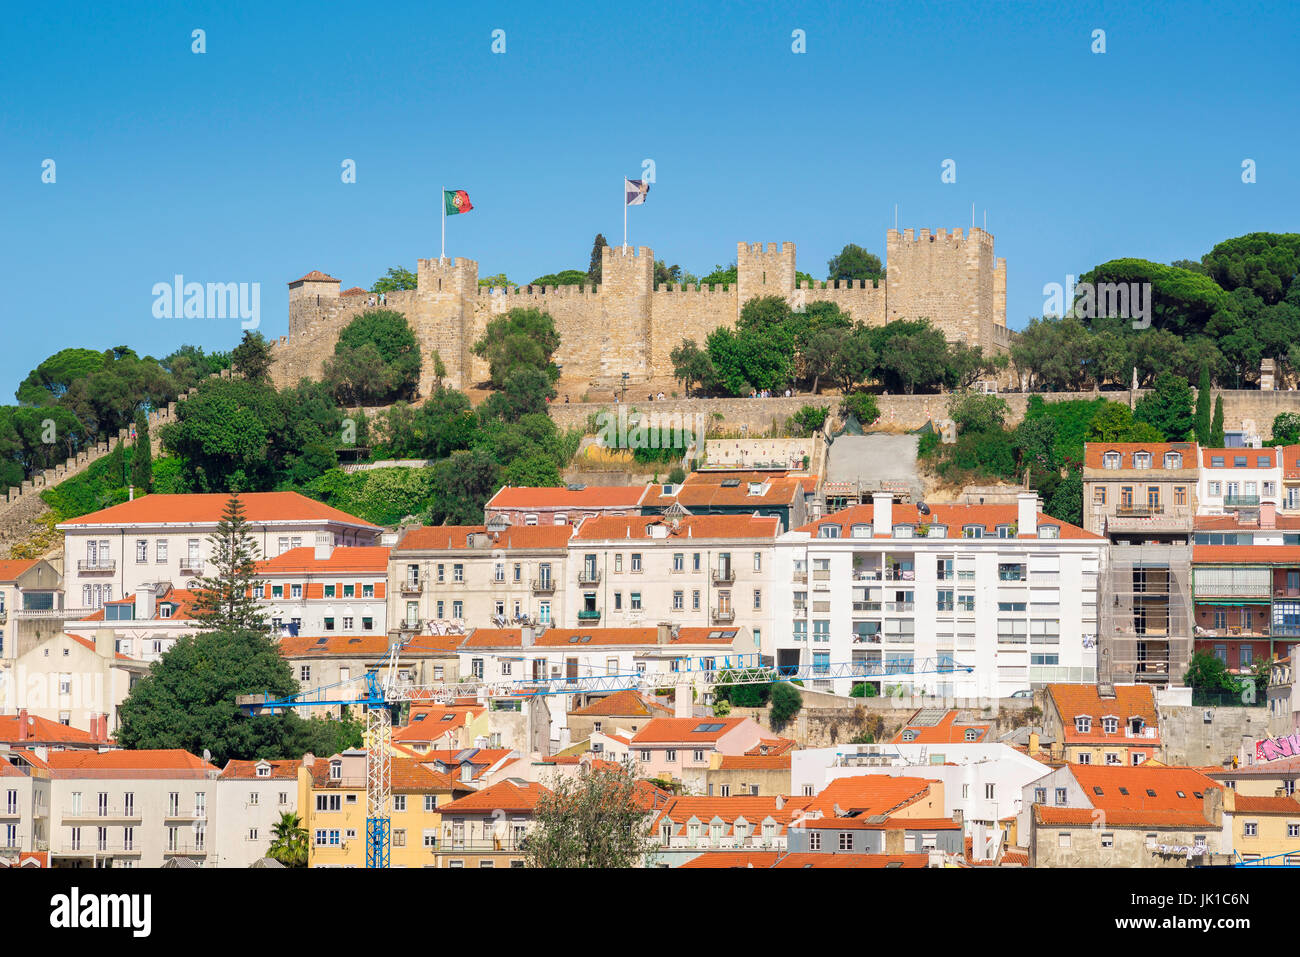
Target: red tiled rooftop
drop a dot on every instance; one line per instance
(314, 276)
(637, 527)
(592, 496)
(436, 537)
(1130, 701)
(259, 507)
(505, 795)
(1093, 453)
(11, 568)
(623, 704)
(955, 517)
(674, 730)
(364, 559)
(247, 770)
(946, 731)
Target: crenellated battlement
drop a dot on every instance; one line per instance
(626, 324)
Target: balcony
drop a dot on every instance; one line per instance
(900, 606)
(412, 586)
(589, 614)
(799, 578)
(589, 576)
(94, 566)
(55, 614)
(1139, 511)
(1241, 501)
(900, 575)
(724, 576)
(1281, 630)
(106, 815)
(192, 566)
(543, 586)
(724, 615)
(800, 609)
(1147, 518)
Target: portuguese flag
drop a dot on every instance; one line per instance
(456, 201)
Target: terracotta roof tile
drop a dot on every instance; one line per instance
(1094, 451)
(440, 537)
(628, 703)
(1130, 701)
(363, 559)
(247, 770)
(637, 527)
(946, 731)
(593, 496)
(314, 276)
(682, 730)
(869, 795)
(259, 507)
(505, 795)
(11, 568)
(953, 516)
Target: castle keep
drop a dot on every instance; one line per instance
(627, 325)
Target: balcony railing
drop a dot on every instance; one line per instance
(60, 614)
(1139, 511)
(114, 813)
(1241, 501)
(97, 565)
(900, 575)
(799, 578)
(412, 586)
(900, 606)
(543, 586)
(724, 576)
(589, 614)
(724, 614)
(1280, 630)
(589, 576)
(192, 566)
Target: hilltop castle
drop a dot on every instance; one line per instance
(627, 325)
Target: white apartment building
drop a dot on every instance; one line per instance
(128, 808)
(326, 590)
(250, 798)
(452, 578)
(1004, 590)
(145, 624)
(696, 571)
(24, 809)
(1233, 480)
(164, 538)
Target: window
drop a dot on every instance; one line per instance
(1251, 829)
(846, 840)
(399, 802)
(1108, 840)
(695, 600)
(1060, 797)
(814, 840)
(972, 531)
(160, 551)
(329, 624)
(679, 561)
(634, 601)
(1173, 460)
(1110, 724)
(1180, 495)
(758, 561)
(430, 802)
(142, 550)
(1142, 460)
(1110, 460)
(679, 600)
(989, 791)
(828, 531)
(1099, 495)
(457, 574)
(636, 561)
(1082, 724)
(1063, 839)
(758, 599)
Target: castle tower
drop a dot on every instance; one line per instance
(444, 319)
(763, 272)
(626, 285)
(954, 281)
(305, 294)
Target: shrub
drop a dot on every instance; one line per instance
(863, 406)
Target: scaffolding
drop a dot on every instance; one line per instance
(1146, 622)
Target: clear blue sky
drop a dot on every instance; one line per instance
(225, 167)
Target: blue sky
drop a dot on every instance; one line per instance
(225, 166)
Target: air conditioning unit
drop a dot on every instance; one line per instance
(1209, 716)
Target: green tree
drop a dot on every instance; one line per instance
(397, 278)
(911, 355)
(566, 277)
(863, 406)
(855, 361)
(1066, 503)
(785, 703)
(462, 484)
(288, 841)
(809, 419)
(526, 391)
(1202, 416)
(1286, 429)
(252, 357)
(721, 276)
(691, 366)
(1168, 407)
(598, 818)
(1114, 422)
(445, 423)
(1217, 437)
(977, 412)
(223, 434)
(1205, 672)
(594, 266)
(142, 455)
(50, 380)
(376, 359)
(522, 337)
(224, 599)
(854, 262)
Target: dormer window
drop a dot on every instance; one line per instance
(1049, 531)
(909, 735)
(1082, 724)
(1142, 460)
(1110, 460)
(1006, 531)
(860, 531)
(972, 531)
(336, 770)
(972, 734)
(1173, 460)
(904, 531)
(828, 531)
(1110, 724)
(263, 771)
(938, 531)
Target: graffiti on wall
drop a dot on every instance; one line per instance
(1270, 749)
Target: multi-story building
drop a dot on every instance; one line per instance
(451, 578)
(531, 505)
(1142, 498)
(487, 828)
(621, 711)
(26, 730)
(1246, 585)
(113, 552)
(1004, 591)
(324, 590)
(129, 808)
(24, 808)
(341, 662)
(1084, 815)
(703, 570)
(144, 625)
(1263, 827)
(673, 748)
(332, 805)
(251, 798)
(717, 493)
(31, 605)
(1239, 481)
(687, 827)
(1112, 725)
(72, 680)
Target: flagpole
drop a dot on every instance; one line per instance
(443, 206)
(625, 213)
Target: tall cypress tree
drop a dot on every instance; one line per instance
(1216, 428)
(224, 599)
(142, 455)
(594, 269)
(1202, 418)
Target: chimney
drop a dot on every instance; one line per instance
(22, 724)
(882, 514)
(105, 643)
(324, 546)
(1267, 515)
(1033, 743)
(103, 729)
(130, 493)
(146, 602)
(1027, 514)
(308, 759)
(94, 727)
(664, 633)
(526, 636)
(683, 706)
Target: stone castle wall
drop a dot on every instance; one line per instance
(627, 325)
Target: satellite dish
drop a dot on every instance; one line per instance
(923, 508)
(207, 756)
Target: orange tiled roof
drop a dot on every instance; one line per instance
(354, 291)
(1246, 804)
(202, 509)
(314, 276)
(637, 527)
(311, 646)
(506, 795)
(10, 569)
(1246, 554)
(1253, 458)
(432, 723)
(1093, 452)
(236, 769)
(1148, 787)
(1130, 701)
(755, 762)
(437, 537)
(1087, 817)
(752, 810)
(772, 746)
(946, 731)
(364, 559)
(813, 859)
(627, 703)
(776, 491)
(732, 859)
(869, 795)
(679, 730)
(1228, 523)
(593, 496)
(955, 517)
(143, 762)
(42, 731)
